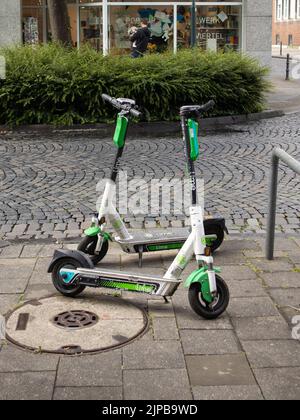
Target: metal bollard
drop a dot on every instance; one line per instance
(287, 77)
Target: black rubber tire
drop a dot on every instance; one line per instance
(69, 291)
(88, 246)
(201, 307)
(219, 232)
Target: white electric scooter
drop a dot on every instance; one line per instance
(97, 237)
(72, 271)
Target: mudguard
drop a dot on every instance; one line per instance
(200, 276)
(217, 221)
(81, 257)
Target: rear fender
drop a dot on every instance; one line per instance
(217, 221)
(83, 259)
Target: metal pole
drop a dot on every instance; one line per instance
(193, 24)
(287, 77)
(105, 26)
(281, 48)
(272, 208)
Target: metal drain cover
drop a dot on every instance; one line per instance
(75, 319)
(85, 325)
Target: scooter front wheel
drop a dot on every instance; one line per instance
(88, 246)
(69, 290)
(205, 309)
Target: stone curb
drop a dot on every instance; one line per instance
(146, 129)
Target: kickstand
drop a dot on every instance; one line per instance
(140, 256)
(166, 299)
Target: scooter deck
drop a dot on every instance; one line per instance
(152, 240)
(118, 280)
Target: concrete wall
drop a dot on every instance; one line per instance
(258, 29)
(10, 22)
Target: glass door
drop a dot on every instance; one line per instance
(91, 26)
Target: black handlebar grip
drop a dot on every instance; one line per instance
(210, 104)
(106, 98)
(135, 113)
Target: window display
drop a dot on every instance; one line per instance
(91, 26)
(124, 18)
(218, 24)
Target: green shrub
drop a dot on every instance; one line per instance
(52, 85)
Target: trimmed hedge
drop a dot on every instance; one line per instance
(53, 85)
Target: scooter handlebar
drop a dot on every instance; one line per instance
(206, 107)
(135, 113)
(126, 107)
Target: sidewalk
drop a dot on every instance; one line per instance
(286, 94)
(248, 353)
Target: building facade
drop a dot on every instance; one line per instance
(286, 22)
(239, 25)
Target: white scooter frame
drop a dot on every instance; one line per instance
(95, 243)
(72, 271)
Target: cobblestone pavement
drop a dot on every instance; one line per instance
(248, 353)
(48, 181)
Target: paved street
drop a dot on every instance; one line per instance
(248, 353)
(48, 182)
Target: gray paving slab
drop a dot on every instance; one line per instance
(227, 393)
(160, 384)
(163, 355)
(13, 359)
(165, 329)
(246, 288)
(88, 393)
(282, 280)
(31, 251)
(12, 251)
(279, 383)
(252, 307)
(238, 272)
(8, 302)
(272, 353)
(209, 342)
(161, 309)
(27, 385)
(219, 370)
(97, 370)
(286, 297)
(40, 273)
(277, 265)
(261, 328)
(14, 275)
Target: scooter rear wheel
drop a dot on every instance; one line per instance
(71, 290)
(202, 307)
(88, 246)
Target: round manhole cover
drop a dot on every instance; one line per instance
(86, 325)
(75, 319)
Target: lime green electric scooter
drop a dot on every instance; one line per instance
(72, 271)
(97, 237)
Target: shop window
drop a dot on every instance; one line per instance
(123, 19)
(91, 31)
(218, 27)
(33, 25)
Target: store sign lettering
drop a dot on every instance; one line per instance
(210, 35)
(208, 20)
